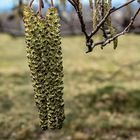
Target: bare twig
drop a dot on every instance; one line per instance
(89, 40)
(31, 3)
(124, 31)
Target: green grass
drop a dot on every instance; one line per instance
(102, 92)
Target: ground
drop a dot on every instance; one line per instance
(102, 92)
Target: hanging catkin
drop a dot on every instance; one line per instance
(91, 4)
(36, 66)
(55, 71)
(109, 29)
(45, 61)
(101, 7)
(42, 104)
(96, 13)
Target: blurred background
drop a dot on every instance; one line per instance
(102, 88)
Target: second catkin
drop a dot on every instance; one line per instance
(52, 58)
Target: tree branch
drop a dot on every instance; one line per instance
(89, 41)
(126, 30)
(88, 37)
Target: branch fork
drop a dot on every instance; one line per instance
(89, 41)
(89, 37)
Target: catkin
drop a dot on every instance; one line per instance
(96, 13)
(101, 7)
(91, 4)
(43, 111)
(55, 75)
(45, 61)
(36, 66)
(108, 23)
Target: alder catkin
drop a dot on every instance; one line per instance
(54, 76)
(45, 61)
(96, 13)
(91, 4)
(36, 66)
(113, 33)
(101, 7)
(109, 30)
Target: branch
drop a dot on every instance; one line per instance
(41, 5)
(89, 41)
(126, 30)
(107, 15)
(80, 16)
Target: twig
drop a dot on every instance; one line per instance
(89, 41)
(126, 30)
(52, 3)
(41, 5)
(31, 3)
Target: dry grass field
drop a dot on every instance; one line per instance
(102, 92)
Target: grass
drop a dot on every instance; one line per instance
(102, 94)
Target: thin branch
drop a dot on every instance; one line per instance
(112, 10)
(126, 30)
(31, 3)
(127, 3)
(52, 3)
(71, 2)
(41, 5)
(40, 8)
(89, 41)
(80, 16)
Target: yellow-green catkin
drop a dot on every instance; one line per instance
(107, 7)
(97, 16)
(108, 23)
(34, 55)
(96, 13)
(45, 61)
(113, 33)
(43, 112)
(100, 9)
(54, 78)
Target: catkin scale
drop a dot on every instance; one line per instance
(45, 61)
